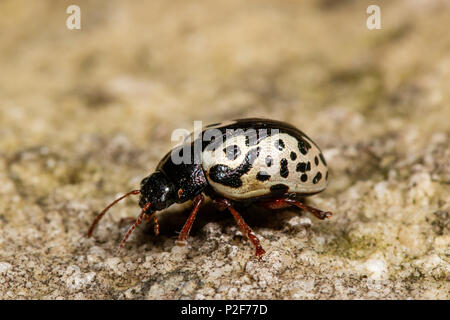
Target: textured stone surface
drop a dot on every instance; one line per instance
(85, 115)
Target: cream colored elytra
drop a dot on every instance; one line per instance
(316, 176)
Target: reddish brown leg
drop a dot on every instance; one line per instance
(246, 230)
(283, 203)
(139, 220)
(188, 224)
(274, 204)
(155, 225)
(131, 220)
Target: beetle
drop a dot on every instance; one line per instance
(256, 161)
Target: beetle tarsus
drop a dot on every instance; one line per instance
(155, 226)
(246, 230)
(286, 202)
(180, 243)
(139, 220)
(131, 220)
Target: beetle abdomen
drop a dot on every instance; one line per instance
(254, 163)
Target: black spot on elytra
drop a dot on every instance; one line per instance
(269, 161)
(304, 177)
(262, 176)
(316, 160)
(317, 177)
(284, 171)
(322, 158)
(226, 176)
(293, 155)
(301, 167)
(279, 189)
(326, 176)
(279, 144)
(232, 152)
(303, 146)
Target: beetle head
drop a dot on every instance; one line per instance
(158, 190)
(156, 194)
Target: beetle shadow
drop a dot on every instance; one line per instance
(172, 220)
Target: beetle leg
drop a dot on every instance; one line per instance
(188, 224)
(139, 219)
(246, 230)
(155, 225)
(283, 203)
(131, 220)
(318, 213)
(274, 204)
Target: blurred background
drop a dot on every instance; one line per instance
(86, 114)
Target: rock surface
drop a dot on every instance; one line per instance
(86, 114)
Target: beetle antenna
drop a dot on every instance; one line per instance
(139, 220)
(101, 214)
